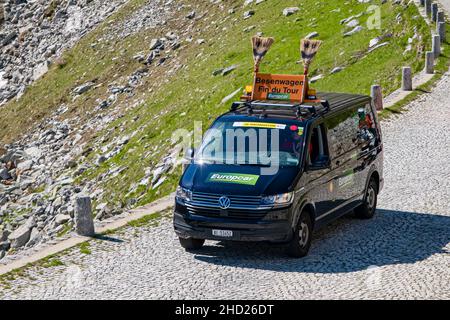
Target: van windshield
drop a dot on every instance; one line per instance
(259, 143)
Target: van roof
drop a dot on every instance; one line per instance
(331, 101)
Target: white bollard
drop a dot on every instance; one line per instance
(434, 11)
(84, 222)
(406, 79)
(440, 17)
(429, 62)
(441, 31)
(436, 45)
(428, 7)
(377, 96)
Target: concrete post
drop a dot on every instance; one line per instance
(406, 79)
(441, 31)
(434, 11)
(377, 96)
(440, 17)
(436, 45)
(84, 222)
(428, 7)
(429, 62)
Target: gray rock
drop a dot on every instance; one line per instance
(61, 219)
(156, 44)
(228, 70)
(4, 174)
(83, 88)
(316, 78)
(312, 35)
(352, 23)
(353, 31)
(191, 15)
(4, 235)
(290, 11)
(336, 70)
(248, 14)
(35, 237)
(25, 165)
(21, 236)
(5, 245)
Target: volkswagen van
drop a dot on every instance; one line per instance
(278, 171)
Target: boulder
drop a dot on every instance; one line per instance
(353, 31)
(25, 165)
(290, 11)
(21, 236)
(156, 44)
(4, 174)
(61, 219)
(5, 245)
(83, 88)
(312, 35)
(35, 237)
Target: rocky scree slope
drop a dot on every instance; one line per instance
(37, 172)
(108, 134)
(34, 33)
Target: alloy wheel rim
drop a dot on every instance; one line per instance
(303, 234)
(370, 198)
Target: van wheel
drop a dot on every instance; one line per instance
(301, 241)
(369, 206)
(191, 243)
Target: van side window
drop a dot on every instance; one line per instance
(318, 147)
(367, 131)
(343, 132)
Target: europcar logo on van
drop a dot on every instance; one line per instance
(238, 178)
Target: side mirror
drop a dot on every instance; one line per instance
(322, 163)
(189, 154)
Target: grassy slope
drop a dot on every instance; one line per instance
(195, 91)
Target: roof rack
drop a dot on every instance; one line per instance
(275, 107)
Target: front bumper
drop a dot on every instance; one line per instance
(199, 227)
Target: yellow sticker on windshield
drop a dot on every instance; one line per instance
(300, 131)
(264, 125)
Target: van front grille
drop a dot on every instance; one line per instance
(237, 202)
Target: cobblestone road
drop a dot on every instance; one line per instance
(404, 252)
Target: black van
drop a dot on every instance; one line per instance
(329, 162)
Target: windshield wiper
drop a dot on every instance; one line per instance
(252, 164)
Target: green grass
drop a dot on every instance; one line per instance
(50, 261)
(65, 230)
(85, 248)
(198, 93)
(194, 90)
(146, 220)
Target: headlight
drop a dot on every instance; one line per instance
(279, 199)
(184, 194)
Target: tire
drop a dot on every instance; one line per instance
(191, 243)
(369, 206)
(301, 241)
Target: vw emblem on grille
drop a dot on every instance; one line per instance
(224, 202)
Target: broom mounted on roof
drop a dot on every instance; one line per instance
(260, 47)
(308, 50)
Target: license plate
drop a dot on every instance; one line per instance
(222, 233)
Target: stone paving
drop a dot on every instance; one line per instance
(403, 253)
